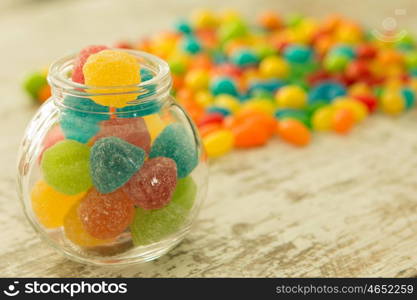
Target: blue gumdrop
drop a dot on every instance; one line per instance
(191, 45)
(221, 110)
(223, 85)
(80, 117)
(219, 57)
(183, 26)
(244, 58)
(146, 74)
(344, 50)
(270, 86)
(298, 54)
(177, 143)
(326, 91)
(140, 110)
(413, 73)
(409, 99)
(113, 162)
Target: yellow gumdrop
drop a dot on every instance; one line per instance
(50, 206)
(204, 18)
(413, 84)
(392, 102)
(218, 143)
(75, 232)
(359, 89)
(262, 105)
(358, 109)
(273, 67)
(291, 96)
(112, 68)
(155, 125)
(204, 98)
(322, 118)
(197, 79)
(227, 101)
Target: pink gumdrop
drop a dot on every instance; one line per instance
(133, 131)
(77, 72)
(53, 137)
(153, 185)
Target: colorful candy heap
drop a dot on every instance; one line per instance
(243, 84)
(105, 176)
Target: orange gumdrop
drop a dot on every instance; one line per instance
(195, 110)
(251, 128)
(44, 93)
(201, 61)
(343, 121)
(209, 128)
(269, 20)
(294, 132)
(177, 82)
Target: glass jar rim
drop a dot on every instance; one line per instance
(161, 81)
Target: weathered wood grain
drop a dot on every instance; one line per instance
(342, 207)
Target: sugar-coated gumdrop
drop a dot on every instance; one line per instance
(51, 206)
(152, 225)
(177, 143)
(80, 117)
(77, 72)
(75, 231)
(153, 185)
(132, 130)
(112, 68)
(113, 161)
(65, 167)
(105, 216)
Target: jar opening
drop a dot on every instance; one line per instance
(149, 90)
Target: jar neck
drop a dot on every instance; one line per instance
(154, 87)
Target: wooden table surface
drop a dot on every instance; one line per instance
(341, 207)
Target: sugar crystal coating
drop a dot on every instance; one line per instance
(153, 185)
(66, 168)
(151, 226)
(105, 216)
(112, 68)
(74, 230)
(50, 206)
(77, 72)
(113, 161)
(131, 130)
(80, 118)
(177, 143)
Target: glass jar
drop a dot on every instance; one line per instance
(110, 185)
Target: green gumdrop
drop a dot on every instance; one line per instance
(33, 83)
(150, 226)
(66, 168)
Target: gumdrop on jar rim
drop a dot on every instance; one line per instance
(112, 185)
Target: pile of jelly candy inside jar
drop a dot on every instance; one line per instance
(243, 84)
(106, 177)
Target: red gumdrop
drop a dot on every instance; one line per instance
(123, 45)
(153, 185)
(132, 130)
(210, 119)
(105, 216)
(316, 77)
(366, 51)
(77, 72)
(228, 70)
(370, 101)
(358, 70)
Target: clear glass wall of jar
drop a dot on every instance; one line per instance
(107, 185)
